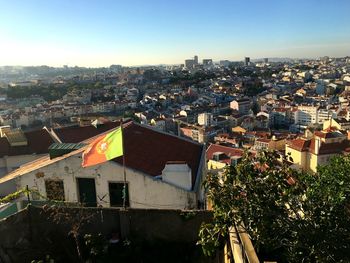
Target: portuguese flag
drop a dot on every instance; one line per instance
(104, 148)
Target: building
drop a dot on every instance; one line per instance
(315, 149)
(339, 123)
(205, 119)
(207, 62)
(198, 133)
(219, 156)
(18, 148)
(195, 59)
(266, 60)
(306, 115)
(162, 171)
(247, 61)
(189, 63)
(243, 105)
(273, 144)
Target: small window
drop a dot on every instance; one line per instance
(116, 194)
(54, 189)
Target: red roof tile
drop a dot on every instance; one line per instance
(149, 150)
(75, 134)
(299, 144)
(38, 142)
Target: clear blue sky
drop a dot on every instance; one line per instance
(135, 32)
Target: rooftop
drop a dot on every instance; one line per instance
(145, 149)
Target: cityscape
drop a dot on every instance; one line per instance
(204, 155)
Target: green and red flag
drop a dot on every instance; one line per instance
(104, 148)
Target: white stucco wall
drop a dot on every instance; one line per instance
(8, 164)
(144, 191)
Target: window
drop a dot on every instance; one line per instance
(54, 189)
(116, 194)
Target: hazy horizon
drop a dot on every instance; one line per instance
(161, 64)
(99, 34)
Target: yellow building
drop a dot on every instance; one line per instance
(309, 152)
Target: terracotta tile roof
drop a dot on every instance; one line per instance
(38, 142)
(148, 150)
(75, 134)
(299, 144)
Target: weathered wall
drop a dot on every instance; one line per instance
(144, 190)
(8, 164)
(31, 233)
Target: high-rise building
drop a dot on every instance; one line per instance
(195, 60)
(247, 61)
(189, 63)
(266, 60)
(205, 119)
(207, 62)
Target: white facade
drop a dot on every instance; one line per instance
(313, 115)
(144, 191)
(10, 163)
(205, 119)
(306, 115)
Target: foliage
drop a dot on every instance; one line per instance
(47, 259)
(295, 215)
(13, 196)
(50, 92)
(75, 220)
(188, 215)
(96, 245)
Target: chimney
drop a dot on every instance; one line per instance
(178, 174)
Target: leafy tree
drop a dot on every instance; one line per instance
(291, 216)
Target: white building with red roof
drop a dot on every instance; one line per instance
(162, 171)
(219, 156)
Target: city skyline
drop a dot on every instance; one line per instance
(92, 34)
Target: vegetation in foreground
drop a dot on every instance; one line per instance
(291, 216)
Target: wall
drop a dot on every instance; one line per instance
(32, 233)
(10, 163)
(298, 157)
(144, 191)
(317, 160)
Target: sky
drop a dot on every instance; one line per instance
(137, 32)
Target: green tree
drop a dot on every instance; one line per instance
(291, 216)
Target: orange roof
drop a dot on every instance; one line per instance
(299, 144)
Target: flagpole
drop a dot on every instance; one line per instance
(124, 170)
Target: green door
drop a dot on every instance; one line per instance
(87, 191)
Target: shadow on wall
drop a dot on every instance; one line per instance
(145, 235)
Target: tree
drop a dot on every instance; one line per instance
(291, 216)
